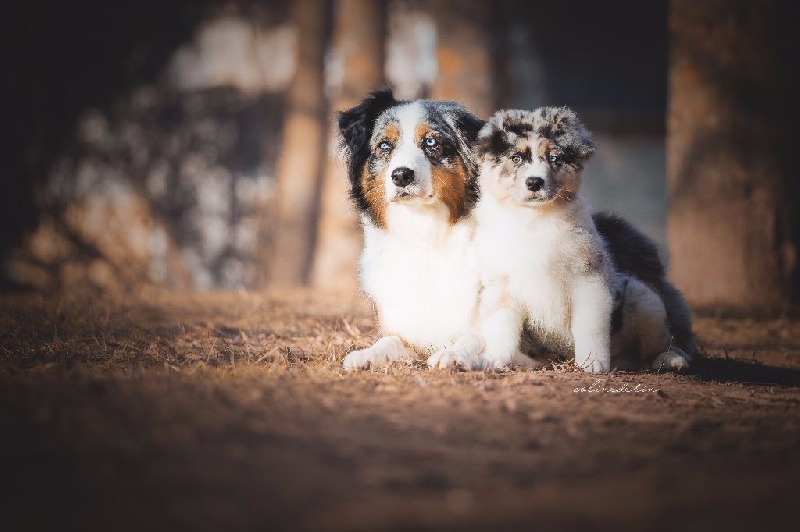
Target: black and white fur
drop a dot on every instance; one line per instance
(418, 265)
(544, 267)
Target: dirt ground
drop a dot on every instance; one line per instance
(231, 412)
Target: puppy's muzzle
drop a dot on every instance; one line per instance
(402, 176)
(534, 184)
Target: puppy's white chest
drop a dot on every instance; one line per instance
(529, 261)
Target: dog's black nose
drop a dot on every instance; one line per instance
(534, 184)
(402, 176)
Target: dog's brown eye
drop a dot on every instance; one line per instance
(516, 158)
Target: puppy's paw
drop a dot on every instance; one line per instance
(493, 361)
(594, 364)
(450, 358)
(387, 349)
(673, 360)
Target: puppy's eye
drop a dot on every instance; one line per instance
(385, 146)
(516, 158)
(552, 158)
(430, 142)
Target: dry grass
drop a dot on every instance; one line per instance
(232, 411)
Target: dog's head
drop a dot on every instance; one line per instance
(414, 153)
(533, 158)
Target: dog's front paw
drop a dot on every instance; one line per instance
(387, 349)
(673, 360)
(360, 359)
(594, 363)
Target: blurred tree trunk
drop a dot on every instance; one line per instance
(301, 160)
(733, 219)
(464, 54)
(358, 48)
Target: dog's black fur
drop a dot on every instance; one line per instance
(633, 253)
(355, 129)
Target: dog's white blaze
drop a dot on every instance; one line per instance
(409, 154)
(537, 167)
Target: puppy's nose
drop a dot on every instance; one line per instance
(402, 176)
(534, 184)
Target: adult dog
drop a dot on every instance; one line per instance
(412, 176)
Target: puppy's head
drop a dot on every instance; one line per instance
(416, 153)
(533, 158)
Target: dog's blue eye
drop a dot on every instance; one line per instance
(552, 158)
(385, 146)
(430, 142)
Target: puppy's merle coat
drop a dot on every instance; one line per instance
(544, 266)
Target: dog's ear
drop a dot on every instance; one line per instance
(469, 124)
(466, 125)
(356, 124)
(562, 126)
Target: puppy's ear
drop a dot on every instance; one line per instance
(356, 124)
(562, 126)
(492, 139)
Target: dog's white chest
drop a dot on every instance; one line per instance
(427, 293)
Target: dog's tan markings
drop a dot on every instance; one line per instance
(544, 147)
(391, 133)
(422, 131)
(524, 150)
(374, 187)
(450, 186)
(375, 194)
(449, 182)
(571, 185)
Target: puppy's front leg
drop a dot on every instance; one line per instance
(501, 319)
(591, 323)
(385, 350)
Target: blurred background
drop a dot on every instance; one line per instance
(189, 144)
